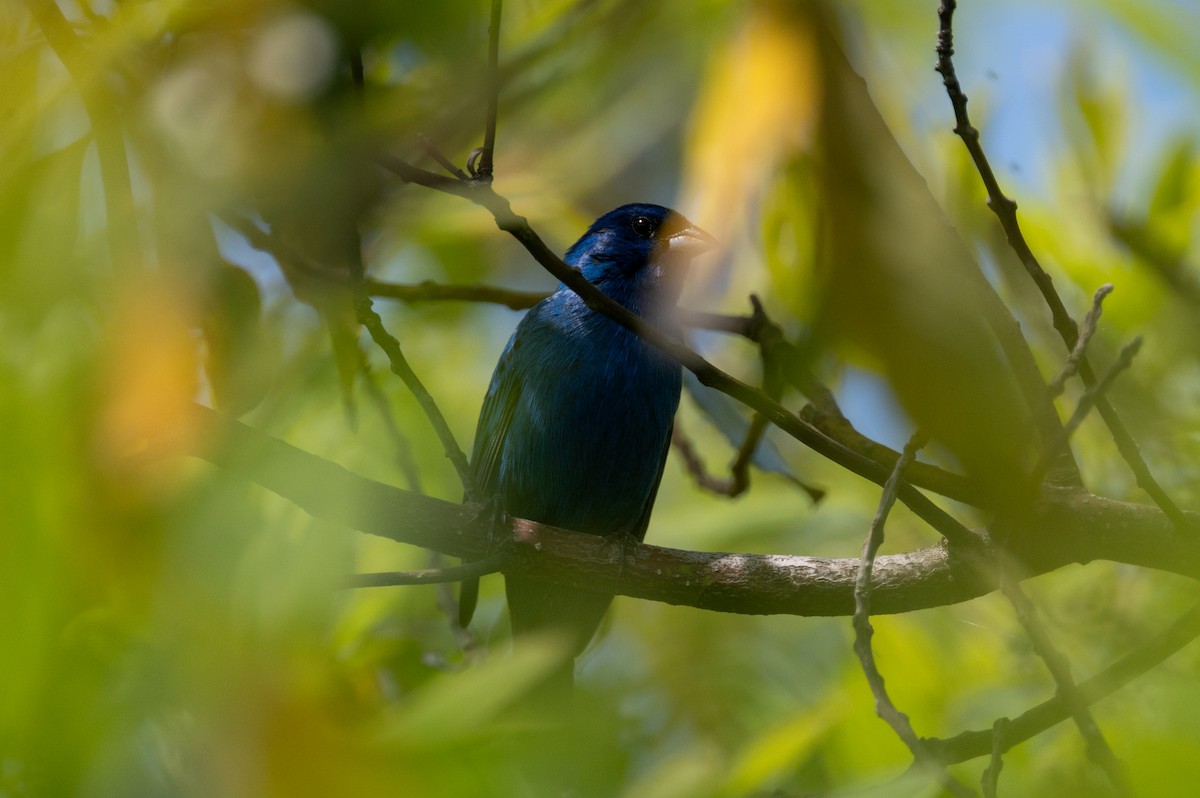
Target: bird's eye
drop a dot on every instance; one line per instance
(643, 226)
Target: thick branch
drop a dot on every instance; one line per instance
(1068, 526)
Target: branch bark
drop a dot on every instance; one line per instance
(1067, 526)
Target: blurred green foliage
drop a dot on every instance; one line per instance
(171, 630)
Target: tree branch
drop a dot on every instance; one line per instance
(482, 170)
(1090, 323)
(708, 374)
(1065, 526)
(432, 576)
(431, 291)
(1098, 749)
(1036, 720)
(823, 415)
(367, 316)
(1006, 212)
(863, 632)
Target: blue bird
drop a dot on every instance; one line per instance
(576, 423)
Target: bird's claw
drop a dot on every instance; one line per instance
(626, 545)
(492, 515)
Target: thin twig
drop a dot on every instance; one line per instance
(1006, 212)
(432, 576)
(991, 774)
(1098, 749)
(760, 330)
(1091, 398)
(708, 374)
(863, 630)
(365, 312)
(692, 461)
(367, 317)
(433, 152)
(484, 167)
(431, 291)
(401, 445)
(1047, 714)
(738, 481)
(1071, 366)
(1095, 393)
(739, 469)
(824, 415)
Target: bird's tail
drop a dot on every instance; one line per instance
(542, 609)
(468, 598)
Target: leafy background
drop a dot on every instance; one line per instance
(171, 629)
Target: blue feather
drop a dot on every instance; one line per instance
(576, 423)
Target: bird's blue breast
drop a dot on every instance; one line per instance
(591, 409)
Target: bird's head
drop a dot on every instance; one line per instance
(637, 250)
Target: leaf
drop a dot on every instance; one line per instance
(458, 707)
(239, 355)
(1094, 115)
(905, 291)
(1176, 177)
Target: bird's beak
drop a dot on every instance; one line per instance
(690, 241)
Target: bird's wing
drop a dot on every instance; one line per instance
(495, 418)
(644, 519)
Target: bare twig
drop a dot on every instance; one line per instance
(863, 631)
(1006, 212)
(365, 312)
(1091, 397)
(1055, 386)
(706, 372)
(1097, 747)
(433, 152)
(400, 366)
(760, 330)
(404, 455)
(482, 168)
(431, 291)
(432, 576)
(738, 480)
(695, 466)
(991, 774)
(824, 414)
(1095, 393)
(1036, 720)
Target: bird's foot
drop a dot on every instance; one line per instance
(626, 546)
(492, 515)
